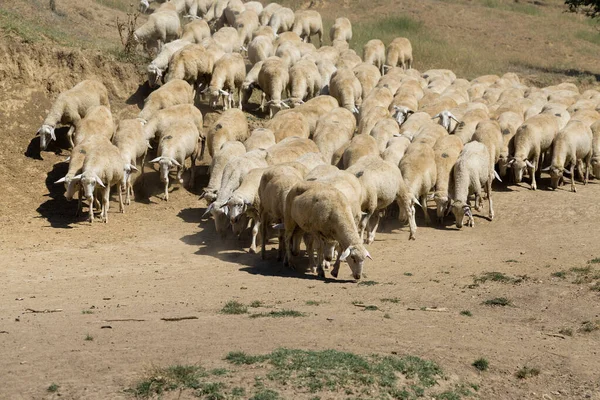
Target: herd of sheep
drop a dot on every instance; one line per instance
(348, 136)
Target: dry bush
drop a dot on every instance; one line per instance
(126, 30)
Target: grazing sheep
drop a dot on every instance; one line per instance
(348, 59)
(509, 123)
(429, 134)
(466, 127)
(98, 121)
(413, 124)
(360, 146)
(228, 39)
(346, 89)
(326, 70)
(260, 138)
(290, 149)
(69, 107)
(374, 53)
(333, 130)
(193, 64)
(102, 168)
(399, 54)
(196, 31)
(341, 30)
(419, 172)
(571, 145)
(588, 117)
(596, 149)
(246, 23)
(227, 152)
(304, 81)
(255, 6)
(368, 75)
(273, 79)
(232, 11)
(179, 142)
(383, 131)
(446, 151)
(133, 144)
(395, 149)
(216, 11)
(161, 27)
(250, 83)
(267, 13)
(325, 212)
(290, 124)
(163, 119)
(174, 92)
(370, 118)
(227, 77)
(282, 20)
(259, 49)
(488, 133)
(532, 140)
(308, 23)
(471, 172)
(231, 125)
(266, 31)
(159, 65)
(289, 53)
(378, 97)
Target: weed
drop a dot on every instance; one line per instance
(511, 261)
(595, 287)
(594, 261)
(234, 307)
(466, 313)
(582, 270)
(589, 326)
(241, 358)
(371, 308)
(498, 277)
(566, 331)
(238, 391)
(219, 371)
(356, 302)
(481, 364)
(394, 300)
(559, 274)
(211, 391)
(387, 316)
(408, 274)
(279, 314)
(367, 283)
(256, 304)
(266, 394)
(88, 337)
(313, 303)
(498, 301)
(512, 7)
(172, 378)
(87, 312)
(527, 372)
(53, 388)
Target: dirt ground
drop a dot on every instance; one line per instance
(161, 260)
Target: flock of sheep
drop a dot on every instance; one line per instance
(347, 137)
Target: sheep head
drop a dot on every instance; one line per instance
(445, 119)
(88, 181)
(556, 176)
(518, 165)
(46, 134)
(220, 212)
(442, 203)
(71, 186)
(460, 210)
(165, 164)
(401, 113)
(355, 255)
(154, 75)
(236, 207)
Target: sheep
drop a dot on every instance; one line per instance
(466, 127)
(174, 92)
(290, 149)
(70, 107)
(488, 133)
(314, 109)
(159, 65)
(328, 53)
(596, 149)
(346, 89)
(289, 125)
(429, 134)
(267, 12)
(288, 52)
(273, 79)
(383, 131)
(162, 119)
(228, 76)
(326, 70)
(282, 20)
(401, 114)
(227, 152)
(232, 11)
(571, 145)
(178, 142)
(509, 123)
(276, 182)
(413, 124)
(374, 53)
(323, 211)
(368, 75)
(216, 11)
(378, 97)
(231, 125)
(228, 39)
(102, 168)
(360, 146)
(531, 141)
(246, 23)
(341, 30)
(446, 152)
(202, 7)
(471, 173)
(193, 64)
(304, 81)
(259, 49)
(348, 59)
(395, 149)
(98, 121)
(559, 111)
(161, 27)
(588, 117)
(308, 23)
(399, 54)
(419, 173)
(250, 83)
(260, 138)
(255, 6)
(287, 37)
(133, 144)
(367, 121)
(333, 130)
(266, 31)
(245, 200)
(233, 174)
(196, 31)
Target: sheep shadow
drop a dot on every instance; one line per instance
(55, 146)
(138, 97)
(59, 212)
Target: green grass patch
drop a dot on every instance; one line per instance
(498, 277)
(53, 388)
(257, 304)
(87, 312)
(466, 313)
(591, 37)
(234, 308)
(597, 259)
(171, 378)
(527, 372)
(367, 283)
(511, 261)
(559, 274)
(408, 274)
(371, 308)
(387, 316)
(314, 303)
(498, 301)
(266, 394)
(512, 7)
(88, 338)
(394, 300)
(582, 270)
(126, 6)
(279, 314)
(33, 31)
(481, 364)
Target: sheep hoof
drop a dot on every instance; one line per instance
(321, 273)
(252, 250)
(412, 237)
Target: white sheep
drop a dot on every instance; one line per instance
(273, 79)
(133, 144)
(70, 107)
(178, 142)
(255, 6)
(156, 69)
(290, 149)
(308, 23)
(377, 97)
(395, 149)
(341, 30)
(360, 146)
(346, 89)
(471, 172)
(289, 124)
(326, 70)
(333, 130)
(370, 118)
(161, 27)
(266, 31)
(233, 10)
(162, 119)
(383, 131)
(282, 20)
(196, 31)
(399, 54)
(98, 121)
(488, 133)
(304, 81)
(374, 53)
(368, 75)
(571, 145)
(314, 109)
(250, 83)
(227, 152)
(446, 151)
(509, 123)
(596, 149)
(259, 49)
(260, 138)
(288, 52)
(229, 40)
(246, 23)
(467, 125)
(231, 125)
(174, 92)
(267, 13)
(227, 77)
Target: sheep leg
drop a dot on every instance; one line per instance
(121, 205)
(573, 189)
(263, 97)
(106, 202)
(79, 201)
(180, 173)
(373, 224)
(70, 136)
(336, 266)
(263, 233)
(425, 211)
(255, 228)
(488, 190)
(281, 246)
(412, 224)
(588, 165)
(166, 197)
(310, 240)
(91, 210)
(290, 229)
(363, 224)
(240, 97)
(580, 172)
(193, 168)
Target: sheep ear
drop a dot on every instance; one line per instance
(174, 161)
(511, 162)
(345, 254)
(132, 167)
(77, 177)
(435, 116)
(368, 255)
(61, 180)
(529, 164)
(497, 176)
(416, 201)
(99, 182)
(52, 135)
(68, 159)
(157, 159)
(208, 209)
(225, 209)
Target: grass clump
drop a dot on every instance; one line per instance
(566, 331)
(481, 364)
(257, 304)
(594, 261)
(279, 314)
(408, 274)
(498, 277)
(367, 283)
(559, 274)
(591, 37)
(498, 301)
(394, 300)
(466, 313)
(175, 377)
(371, 308)
(527, 372)
(88, 338)
(87, 312)
(53, 388)
(313, 303)
(512, 7)
(589, 326)
(266, 394)
(234, 308)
